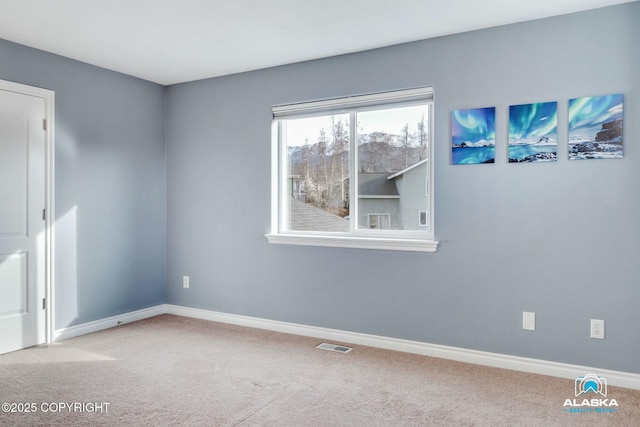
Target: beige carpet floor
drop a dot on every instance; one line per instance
(171, 371)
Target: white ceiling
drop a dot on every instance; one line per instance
(173, 41)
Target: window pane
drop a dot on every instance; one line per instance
(392, 167)
(317, 160)
(423, 218)
(379, 221)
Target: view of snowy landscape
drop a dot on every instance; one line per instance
(533, 132)
(473, 136)
(595, 127)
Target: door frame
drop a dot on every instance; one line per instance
(49, 174)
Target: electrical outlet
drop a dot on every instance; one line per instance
(528, 321)
(185, 281)
(597, 329)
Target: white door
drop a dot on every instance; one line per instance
(22, 228)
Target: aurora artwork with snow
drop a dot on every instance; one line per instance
(595, 127)
(473, 136)
(533, 132)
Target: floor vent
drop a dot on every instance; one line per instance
(333, 347)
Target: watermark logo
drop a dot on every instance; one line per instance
(591, 383)
(592, 389)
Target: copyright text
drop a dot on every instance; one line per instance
(55, 407)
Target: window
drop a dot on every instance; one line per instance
(422, 219)
(355, 172)
(379, 221)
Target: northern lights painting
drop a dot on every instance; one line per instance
(595, 127)
(533, 132)
(473, 136)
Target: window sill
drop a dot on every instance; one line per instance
(390, 244)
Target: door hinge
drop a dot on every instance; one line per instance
(44, 124)
(44, 303)
(44, 214)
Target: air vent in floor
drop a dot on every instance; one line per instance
(333, 347)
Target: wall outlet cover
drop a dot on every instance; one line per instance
(597, 328)
(528, 321)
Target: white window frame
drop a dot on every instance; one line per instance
(407, 240)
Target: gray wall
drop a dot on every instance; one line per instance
(561, 239)
(109, 184)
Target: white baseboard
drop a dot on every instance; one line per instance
(110, 322)
(516, 363)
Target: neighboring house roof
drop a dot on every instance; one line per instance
(407, 169)
(305, 217)
(376, 184)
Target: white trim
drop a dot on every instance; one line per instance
(403, 240)
(354, 208)
(496, 360)
(350, 103)
(405, 170)
(354, 242)
(49, 176)
(275, 174)
(25, 89)
(516, 363)
(50, 219)
(109, 322)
